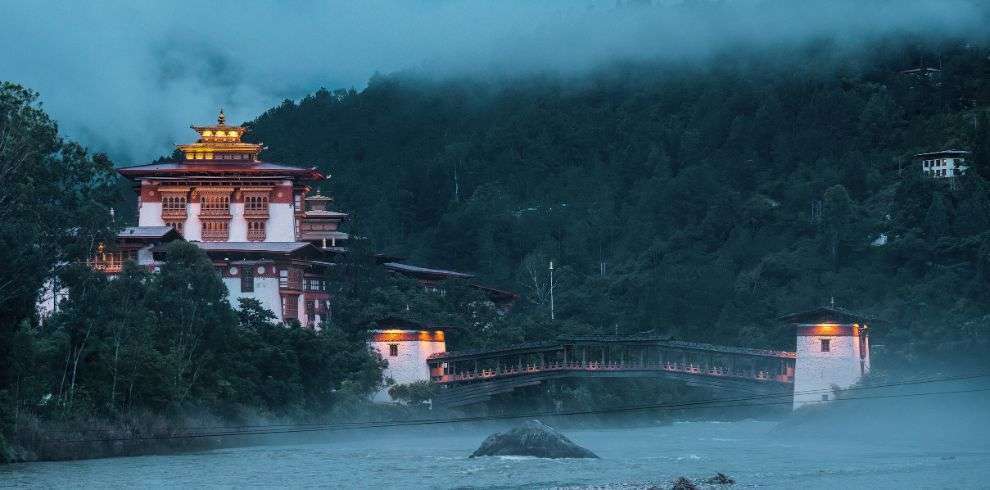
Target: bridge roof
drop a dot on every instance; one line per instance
(726, 349)
(645, 340)
(523, 348)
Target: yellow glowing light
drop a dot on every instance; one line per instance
(207, 133)
(189, 156)
(231, 133)
(209, 156)
(396, 335)
(199, 156)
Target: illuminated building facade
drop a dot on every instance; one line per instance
(270, 239)
(833, 353)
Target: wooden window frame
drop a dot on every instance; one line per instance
(247, 279)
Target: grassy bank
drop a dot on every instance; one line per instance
(192, 429)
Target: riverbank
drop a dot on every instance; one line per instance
(35, 438)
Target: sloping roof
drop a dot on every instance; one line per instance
(219, 167)
(425, 272)
(325, 214)
(546, 345)
(270, 247)
(727, 349)
(399, 323)
(149, 232)
(826, 314)
(942, 153)
(497, 294)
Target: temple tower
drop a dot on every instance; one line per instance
(833, 352)
(406, 346)
(249, 216)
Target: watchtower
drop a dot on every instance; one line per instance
(405, 345)
(833, 352)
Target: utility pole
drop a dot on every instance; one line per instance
(551, 291)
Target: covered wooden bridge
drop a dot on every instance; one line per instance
(470, 377)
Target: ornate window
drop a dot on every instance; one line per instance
(255, 231)
(215, 230)
(173, 207)
(290, 307)
(256, 205)
(215, 205)
(290, 279)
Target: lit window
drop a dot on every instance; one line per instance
(826, 347)
(207, 133)
(232, 133)
(393, 350)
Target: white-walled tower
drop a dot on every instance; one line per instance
(405, 346)
(833, 352)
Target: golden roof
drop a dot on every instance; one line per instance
(220, 142)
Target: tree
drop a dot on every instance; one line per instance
(54, 210)
(414, 393)
(191, 314)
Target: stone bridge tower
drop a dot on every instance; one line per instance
(833, 352)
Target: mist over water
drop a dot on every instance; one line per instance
(847, 448)
(899, 442)
(128, 78)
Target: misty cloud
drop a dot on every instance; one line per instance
(129, 77)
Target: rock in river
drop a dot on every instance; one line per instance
(533, 438)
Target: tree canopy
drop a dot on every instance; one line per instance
(701, 201)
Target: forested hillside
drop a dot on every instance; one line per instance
(699, 200)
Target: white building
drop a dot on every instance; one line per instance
(833, 353)
(269, 239)
(943, 164)
(405, 346)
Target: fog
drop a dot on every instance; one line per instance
(128, 78)
(904, 441)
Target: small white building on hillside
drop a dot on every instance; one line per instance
(943, 164)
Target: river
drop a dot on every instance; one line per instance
(752, 452)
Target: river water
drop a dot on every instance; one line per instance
(752, 452)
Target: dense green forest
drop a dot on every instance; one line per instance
(697, 200)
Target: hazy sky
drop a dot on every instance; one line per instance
(129, 77)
